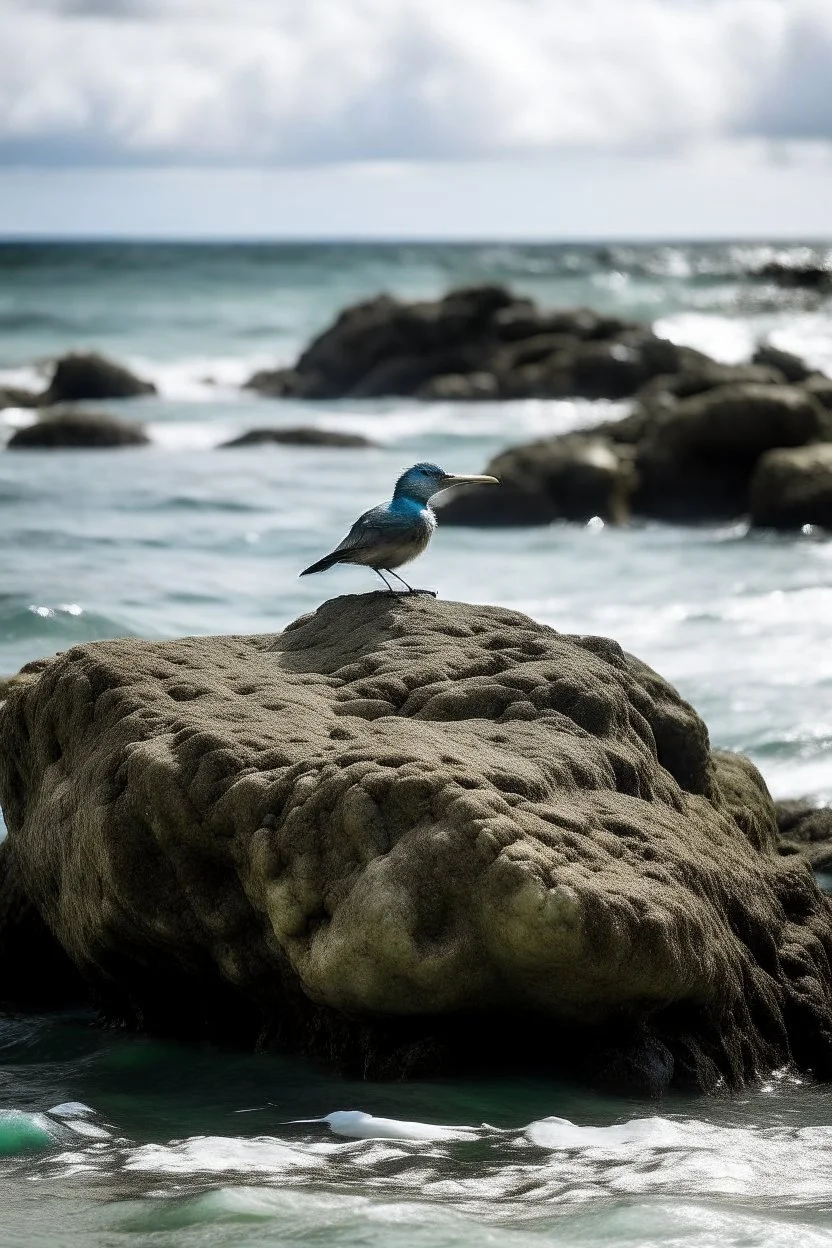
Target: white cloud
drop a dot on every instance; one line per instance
(283, 82)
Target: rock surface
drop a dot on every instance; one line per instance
(408, 835)
(687, 451)
(480, 342)
(792, 488)
(72, 430)
(806, 829)
(80, 376)
(303, 435)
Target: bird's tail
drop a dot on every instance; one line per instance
(322, 564)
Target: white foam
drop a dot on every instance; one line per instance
(358, 1125)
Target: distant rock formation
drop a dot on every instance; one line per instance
(407, 836)
(76, 430)
(301, 435)
(480, 342)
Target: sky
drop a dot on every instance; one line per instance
(416, 118)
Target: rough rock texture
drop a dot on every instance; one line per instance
(791, 488)
(303, 435)
(79, 431)
(687, 451)
(405, 835)
(81, 376)
(806, 829)
(480, 342)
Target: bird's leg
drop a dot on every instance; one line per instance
(387, 584)
(410, 588)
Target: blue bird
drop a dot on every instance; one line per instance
(393, 533)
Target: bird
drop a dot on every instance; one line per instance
(393, 533)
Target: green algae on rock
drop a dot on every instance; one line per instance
(412, 836)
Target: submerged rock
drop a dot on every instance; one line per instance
(73, 430)
(408, 836)
(81, 376)
(303, 435)
(793, 488)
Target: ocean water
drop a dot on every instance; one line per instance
(107, 1139)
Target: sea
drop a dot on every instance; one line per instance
(109, 1139)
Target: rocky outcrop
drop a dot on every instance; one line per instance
(697, 460)
(575, 477)
(81, 376)
(72, 430)
(793, 488)
(480, 342)
(303, 435)
(793, 368)
(681, 454)
(407, 835)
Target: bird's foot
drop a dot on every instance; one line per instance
(430, 592)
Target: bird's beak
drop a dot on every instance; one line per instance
(457, 478)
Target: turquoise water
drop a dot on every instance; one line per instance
(184, 538)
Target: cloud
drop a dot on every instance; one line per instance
(295, 82)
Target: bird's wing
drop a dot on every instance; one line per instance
(376, 526)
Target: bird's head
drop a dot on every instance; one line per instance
(422, 481)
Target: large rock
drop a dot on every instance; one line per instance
(574, 477)
(72, 430)
(410, 835)
(696, 460)
(792, 488)
(479, 342)
(793, 368)
(80, 376)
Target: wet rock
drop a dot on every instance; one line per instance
(415, 835)
(90, 376)
(696, 461)
(574, 477)
(73, 430)
(303, 435)
(793, 368)
(792, 488)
